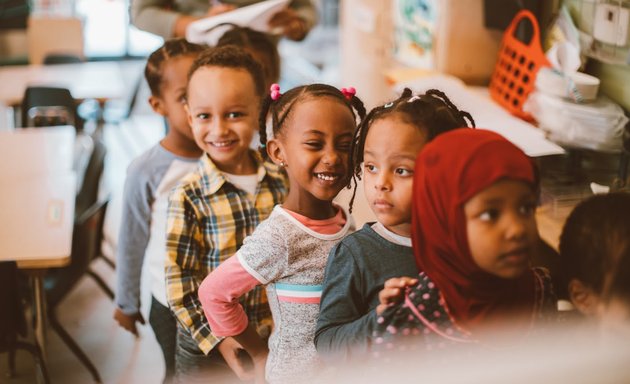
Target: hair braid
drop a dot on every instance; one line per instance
(262, 125)
(462, 114)
(169, 50)
(358, 106)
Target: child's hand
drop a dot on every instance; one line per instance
(289, 23)
(128, 321)
(393, 292)
(233, 353)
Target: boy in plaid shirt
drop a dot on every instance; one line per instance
(214, 208)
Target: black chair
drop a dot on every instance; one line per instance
(49, 106)
(88, 109)
(58, 283)
(60, 58)
(13, 322)
(91, 181)
(115, 111)
(88, 196)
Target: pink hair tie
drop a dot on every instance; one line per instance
(275, 91)
(349, 92)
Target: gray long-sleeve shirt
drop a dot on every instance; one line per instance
(150, 179)
(357, 269)
(159, 16)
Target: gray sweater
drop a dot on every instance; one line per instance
(357, 269)
(289, 258)
(150, 179)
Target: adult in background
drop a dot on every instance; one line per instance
(170, 18)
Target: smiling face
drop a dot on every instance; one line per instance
(501, 228)
(390, 152)
(223, 110)
(314, 144)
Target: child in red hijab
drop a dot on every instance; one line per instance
(474, 233)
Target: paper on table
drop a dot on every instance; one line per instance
(487, 114)
(255, 16)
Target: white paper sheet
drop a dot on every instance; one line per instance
(255, 16)
(487, 114)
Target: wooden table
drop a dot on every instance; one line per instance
(37, 195)
(48, 243)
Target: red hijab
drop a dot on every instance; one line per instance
(450, 170)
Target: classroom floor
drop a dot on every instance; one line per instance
(87, 312)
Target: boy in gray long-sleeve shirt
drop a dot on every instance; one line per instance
(150, 179)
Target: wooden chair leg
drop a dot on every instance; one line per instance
(11, 373)
(42, 370)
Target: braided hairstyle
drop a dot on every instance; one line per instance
(432, 111)
(277, 112)
(230, 56)
(257, 42)
(169, 50)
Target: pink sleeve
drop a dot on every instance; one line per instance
(219, 294)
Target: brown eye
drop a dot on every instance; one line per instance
(235, 115)
(489, 215)
(344, 147)
(528, 209)
(403, 172)
(314, 144)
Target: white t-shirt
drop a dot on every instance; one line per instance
(247, 183)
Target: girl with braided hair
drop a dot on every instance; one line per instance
(307, 131)
(385, 146)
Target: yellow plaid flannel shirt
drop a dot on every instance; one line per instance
(208, 219)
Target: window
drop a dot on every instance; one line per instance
(108, 33)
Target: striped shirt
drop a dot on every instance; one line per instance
(208, 219)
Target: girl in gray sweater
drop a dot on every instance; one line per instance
(385, 149)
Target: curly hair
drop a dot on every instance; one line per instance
(432, 112)
(230, 56)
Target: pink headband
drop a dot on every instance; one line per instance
(275, 91)
(349, 92)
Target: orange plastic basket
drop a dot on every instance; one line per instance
(516, 68)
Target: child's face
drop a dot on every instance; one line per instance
(315, 144)
(223, 113)
(390, 152)
(501, 228)
(170, 103)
